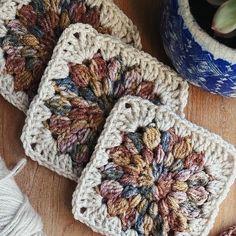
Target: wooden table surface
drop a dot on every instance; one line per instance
(51, 194)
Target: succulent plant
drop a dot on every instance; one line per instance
(224, 21)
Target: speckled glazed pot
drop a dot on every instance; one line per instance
(199, 58)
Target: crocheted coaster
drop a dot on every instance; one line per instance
(153, 173)
(86, 76)
(30, 29)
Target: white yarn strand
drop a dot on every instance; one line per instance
(17, 216)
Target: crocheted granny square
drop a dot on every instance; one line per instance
(30, 29)
(153, 173)
(86, 76)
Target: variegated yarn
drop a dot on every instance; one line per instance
(27, 39)
(154, 182)
(17, 217)
(85, 98)
(87, 74)
(32, 36)
(153, 173)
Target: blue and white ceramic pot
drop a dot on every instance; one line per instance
(199, 58)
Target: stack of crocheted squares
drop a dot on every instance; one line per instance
(88, 73)
(151, 172)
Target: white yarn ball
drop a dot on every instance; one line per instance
(17, 216)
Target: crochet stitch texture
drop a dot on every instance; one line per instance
(84, 99)
(154, 181)
(153, 173)
(29, 31)
(80, 88)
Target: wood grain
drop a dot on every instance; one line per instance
(51, 194)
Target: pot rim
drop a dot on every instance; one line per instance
(217, 49)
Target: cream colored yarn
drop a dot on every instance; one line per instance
(17, 217)
(38, 141)
(88, 206)
(111, 17)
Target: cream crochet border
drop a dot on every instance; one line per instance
(111, 16)
(172, 89)
(221, 161)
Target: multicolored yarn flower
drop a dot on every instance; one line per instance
(154, 182)
(32, 36)
(84, 99)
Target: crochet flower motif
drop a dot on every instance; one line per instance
(154, 182)
(85, 98)
(32, 36)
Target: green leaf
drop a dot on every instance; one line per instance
(224, 21)
(216, 2)
(229, 35)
